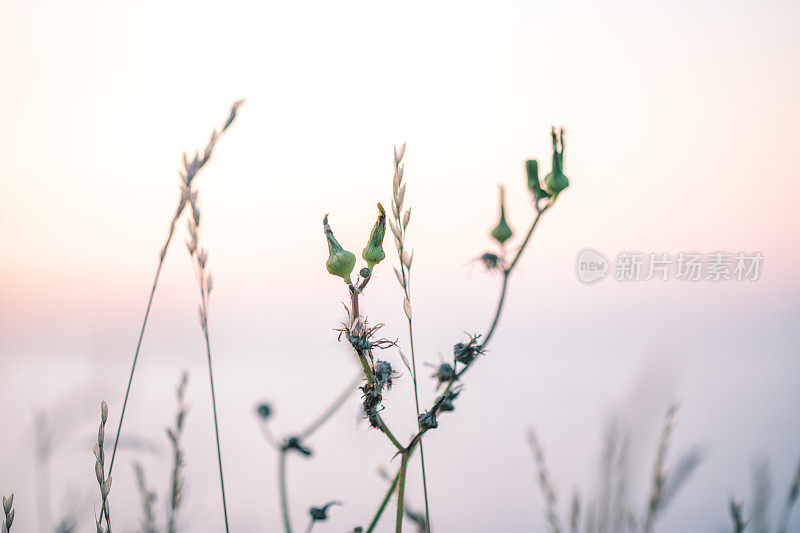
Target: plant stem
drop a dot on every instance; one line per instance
(401, 487)
(214, 406)
(391, 436)
(384, 503)
(416, 404)
(507, 272)
(331, 410)
(287, 526)
(139, 342)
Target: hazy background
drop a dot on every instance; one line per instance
(682, 131)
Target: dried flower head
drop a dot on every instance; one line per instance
(293, 443)
(427, 420)
(264, 411)
(384, 374)
(466, 353)
(360, 335)
(444, 373)
(445, 402)
(320, 514)
(491, 261)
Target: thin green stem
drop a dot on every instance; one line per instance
(287, 525)
(401, 488)
(214, 407)
(139, 344)
(384, 503)
(391, 436)
(416, 405)
(362, 358)
(331, 410)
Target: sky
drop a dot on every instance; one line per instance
(681, 125)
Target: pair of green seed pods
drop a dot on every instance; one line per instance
(555, 182)
(341, 262)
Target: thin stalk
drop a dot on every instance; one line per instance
(392, 487)
(287, 526)
(139, 344)
(331, 410)
(391, 436)
(214, 407)
(507, 272)
(401, 487)
(384, 503)
(416, 404)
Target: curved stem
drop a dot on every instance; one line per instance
(331, 410)
(287, 526)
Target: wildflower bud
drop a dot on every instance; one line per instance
(532, 170)
(319, 514)
(340, 262)
(427, 420)
(264, 411)
(373, 253)
(556, 181)
(502, 232)
(293, 443)
(465, 353)
(7, 503)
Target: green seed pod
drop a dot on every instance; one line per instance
(556, 181)
(373, 252)
(502, 232)
(532, 169)
(340, 262)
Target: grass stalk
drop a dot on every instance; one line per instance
(187, 176)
